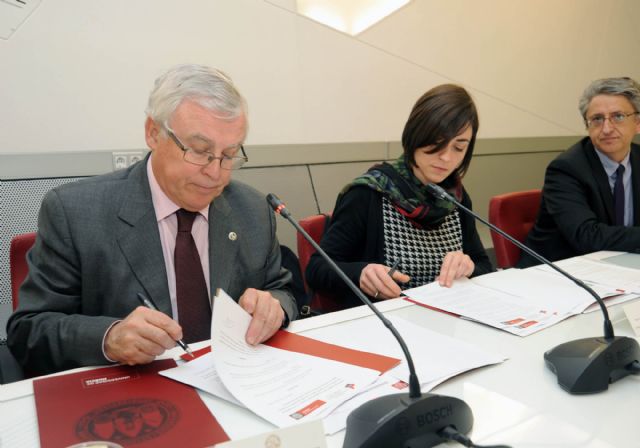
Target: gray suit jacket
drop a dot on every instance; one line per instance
(98, 245)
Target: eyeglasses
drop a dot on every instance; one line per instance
(597, 121)
(204, 158)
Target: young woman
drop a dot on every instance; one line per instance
(386, 218)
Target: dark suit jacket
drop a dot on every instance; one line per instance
(576, 213)
(98, 245)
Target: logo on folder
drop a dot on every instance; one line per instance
(129, 421)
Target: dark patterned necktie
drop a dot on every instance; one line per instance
(194, 311)
(618, 196)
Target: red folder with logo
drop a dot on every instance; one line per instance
(128, 405)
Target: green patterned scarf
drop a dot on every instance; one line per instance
(396, 181)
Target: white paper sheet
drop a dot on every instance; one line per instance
(489, 306)
(386, 385)
(282, 387)
(324, 320)
(632, 312)
(610, 301)
(549, 291)
(622, 279)
(435, 356)
(201, 373)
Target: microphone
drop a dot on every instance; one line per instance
(397, 420)
(583, 366)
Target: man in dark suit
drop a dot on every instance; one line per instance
(591, 194)
(104, 240)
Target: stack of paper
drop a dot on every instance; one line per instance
(282, 386)
(524, 301)
(295, 379)
(624, 280)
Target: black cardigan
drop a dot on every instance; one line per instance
(355, 238)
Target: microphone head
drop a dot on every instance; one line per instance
(586, 366)
(277, 205)
(275, 202)
(400, 421)
(438, 191)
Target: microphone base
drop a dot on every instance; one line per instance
(587, 366)
(399, 421)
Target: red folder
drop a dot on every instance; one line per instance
(301, 344)
(131, 406)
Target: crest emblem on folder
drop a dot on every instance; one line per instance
(129, 421)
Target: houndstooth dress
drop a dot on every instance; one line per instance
(421, 251)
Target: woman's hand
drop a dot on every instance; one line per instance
(376, 282)
(455, 265)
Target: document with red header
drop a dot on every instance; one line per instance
(519, 301)
(131, 406)
(281, 386)
(290, 380)
(201, 373)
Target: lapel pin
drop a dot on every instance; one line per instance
(233, 236)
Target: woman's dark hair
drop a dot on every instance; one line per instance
(437, 117)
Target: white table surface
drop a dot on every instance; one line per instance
(517, 402)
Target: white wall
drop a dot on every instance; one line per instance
(75, 77)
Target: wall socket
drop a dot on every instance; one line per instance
(125, 159)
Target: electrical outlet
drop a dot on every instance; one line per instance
(125, 159)
(119, 160)
(134, 156)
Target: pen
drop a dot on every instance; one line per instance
(394, 268)
(149, 304)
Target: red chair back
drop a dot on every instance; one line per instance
(515, 213)
(20, 245)
(315, 226)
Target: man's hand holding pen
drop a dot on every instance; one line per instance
(144, 334)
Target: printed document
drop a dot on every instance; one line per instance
(524, 301)
(488, 306)
(619, 278)
(281, 386)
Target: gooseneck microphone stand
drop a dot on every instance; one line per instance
(398, 420)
